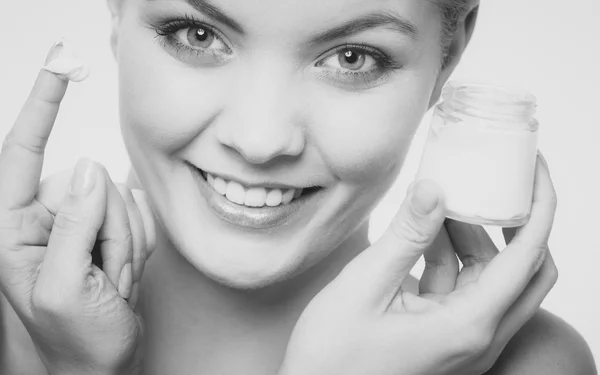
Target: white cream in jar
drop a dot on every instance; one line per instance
(481, 150)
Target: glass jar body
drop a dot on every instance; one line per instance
(484, 165)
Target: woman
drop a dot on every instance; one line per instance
(306, 110)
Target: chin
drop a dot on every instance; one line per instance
(238, 258)
(241, 263)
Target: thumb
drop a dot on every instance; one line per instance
(380, 270)
(67, 261)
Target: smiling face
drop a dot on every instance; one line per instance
(266, 131)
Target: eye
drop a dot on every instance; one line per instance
(193, 42)
(356, 67)
(200, 37)
(351, 59)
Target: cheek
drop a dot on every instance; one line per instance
(162, 100)
(366, 135)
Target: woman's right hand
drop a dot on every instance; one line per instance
(363, 323)
(80, 317)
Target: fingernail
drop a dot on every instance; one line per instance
(135, 293)
(125, 281)
(424, 199)
(84, 178)
(62, 61)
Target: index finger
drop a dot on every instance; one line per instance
(22, 152)
(505, 278)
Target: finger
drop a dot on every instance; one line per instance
(138, 235)
(529, 302)
(147, 218)
(116, 241)
(378, 272)
(115, 244)
(505, 278)
(67, 260)
(22, 153)
(537, 230)
(474, 248)
(472, 243)
(53, 190)
(441, 266)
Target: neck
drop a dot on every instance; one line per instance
(193, 322)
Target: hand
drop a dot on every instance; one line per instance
(363, 323)
(77, 314)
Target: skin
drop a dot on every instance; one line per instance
(290, 132)
(284, 124)
(266, 113)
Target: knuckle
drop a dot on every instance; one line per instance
(407, 229)
(436, 261)
(541, 253)
(66, 222)
(121, 248)
(476, 259)
(34, 144)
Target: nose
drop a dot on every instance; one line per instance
(262, 120)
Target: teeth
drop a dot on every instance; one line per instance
(252, 197)
(288, 196)
(274, 198)
(220, 186)
(256, 197)
(235, 192)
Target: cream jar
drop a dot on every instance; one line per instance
(481, 149)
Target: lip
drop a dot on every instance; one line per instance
(250, 217)
(247, 184)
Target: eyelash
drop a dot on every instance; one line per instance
(170, 27)
(166, 31)
(380, 57)
(383, 61)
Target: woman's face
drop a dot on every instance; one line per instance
(300, 112)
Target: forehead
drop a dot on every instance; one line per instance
(300, 16)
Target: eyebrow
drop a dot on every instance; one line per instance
(363, 23)
(369, 21)
(208, 9)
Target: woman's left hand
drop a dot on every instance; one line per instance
(363, 323)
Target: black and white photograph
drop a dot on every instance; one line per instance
(299, 187)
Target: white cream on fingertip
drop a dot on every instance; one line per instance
(63, 61)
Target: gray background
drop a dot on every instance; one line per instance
(551, 47)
